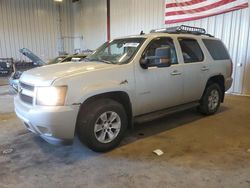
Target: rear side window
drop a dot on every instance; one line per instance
(191, 50)
(216, 49)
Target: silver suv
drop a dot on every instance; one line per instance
(136, 78)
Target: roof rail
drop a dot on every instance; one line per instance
(182, 29)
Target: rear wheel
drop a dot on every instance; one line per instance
(211, 99)
(102, 124)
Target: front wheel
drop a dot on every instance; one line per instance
(211, 99)
(102, 124)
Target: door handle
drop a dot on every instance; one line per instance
(205, 68)
(175, 72)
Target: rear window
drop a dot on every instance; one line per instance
(216, 49)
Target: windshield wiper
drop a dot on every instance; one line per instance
(100, 60)
(87, 59)
(105, 61)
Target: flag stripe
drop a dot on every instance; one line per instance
(206, 15)
(208, 12)
(194, 6)
(201, 9)
(192, 2)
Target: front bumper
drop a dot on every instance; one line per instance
(13, 85)
(56, 124)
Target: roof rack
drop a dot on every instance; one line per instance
(182, 29)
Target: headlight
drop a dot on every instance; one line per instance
(51, 96)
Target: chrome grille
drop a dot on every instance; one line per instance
(26, 98)
(26, 93)
(26, 86)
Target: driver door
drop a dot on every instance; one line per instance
(159, 87)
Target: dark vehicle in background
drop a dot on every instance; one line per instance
(67, 58)
(57, 59)
(19, 68)
(34, 58)
(6, 66)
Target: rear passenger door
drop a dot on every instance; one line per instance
(195, 69)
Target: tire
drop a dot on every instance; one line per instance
(211, 99)
(96, 124)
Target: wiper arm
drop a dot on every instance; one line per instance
(87, 59)
(105, 61)
(100, 60)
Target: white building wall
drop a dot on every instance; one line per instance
(67, 25)
(132, 16)
(33, 24)
(90, 23)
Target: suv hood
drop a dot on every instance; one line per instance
(44, 76)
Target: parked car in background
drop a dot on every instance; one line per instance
(126, 80)
(37, 62)
(33, 57)
(57, 59)
(5, 66)
(67, 58)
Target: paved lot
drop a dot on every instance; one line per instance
(198, 152)
(3, 81)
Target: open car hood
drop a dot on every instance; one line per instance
(34, 58)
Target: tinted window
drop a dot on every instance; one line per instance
(157, 43)
(216, 49)
(191, 50)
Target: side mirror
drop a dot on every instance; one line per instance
(163, 55)
(144, 62)
(161, 58)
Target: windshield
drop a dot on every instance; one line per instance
(118, 51)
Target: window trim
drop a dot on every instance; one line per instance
(203, 56)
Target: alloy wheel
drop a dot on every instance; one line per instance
(107, 127)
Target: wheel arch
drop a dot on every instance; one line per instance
(220, 80)
(119, 96)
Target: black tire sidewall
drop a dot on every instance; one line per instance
(86, 126)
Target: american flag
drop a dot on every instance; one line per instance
(186, 10)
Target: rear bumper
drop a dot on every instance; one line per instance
(56, 125)
(228, 83)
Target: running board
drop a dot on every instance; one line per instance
(162, 113)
